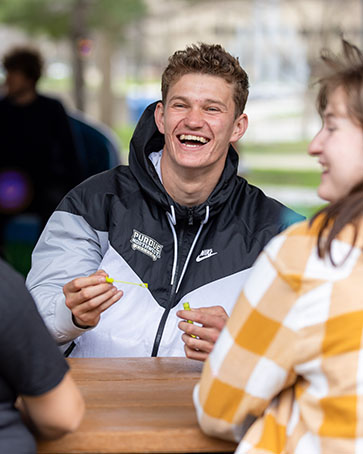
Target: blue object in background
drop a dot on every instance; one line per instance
(96, 144)
(136, 106)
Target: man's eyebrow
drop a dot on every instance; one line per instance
(208, 101)
(180, 97)
(215, 101)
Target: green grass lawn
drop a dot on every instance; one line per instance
(124, 133)
(274, 148)
(302, 178)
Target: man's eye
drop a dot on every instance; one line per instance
(213, 109)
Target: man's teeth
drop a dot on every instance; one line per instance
(200, 139)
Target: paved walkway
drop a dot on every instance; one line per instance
(293, 196)
(281, 161)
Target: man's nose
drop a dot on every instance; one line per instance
(194, 118)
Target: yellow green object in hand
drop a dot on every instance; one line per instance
(111, 280)
(186, 306)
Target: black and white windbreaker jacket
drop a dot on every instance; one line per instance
(124, 222)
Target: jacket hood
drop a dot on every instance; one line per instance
(147, 139)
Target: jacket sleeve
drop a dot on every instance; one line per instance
(67, 248)
(250, 363)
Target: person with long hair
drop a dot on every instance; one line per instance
(286, 374)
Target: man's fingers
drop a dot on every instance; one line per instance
(196, 348)
(87, 297)
(207, 334)
(193, 354)
(94, 295)
(197, 344)
(82, 282)
(116, 297)
(200, 336)
(95, 303)
(91, 317)
(213, 318)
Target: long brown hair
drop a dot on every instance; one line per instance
(335, 216)
(345, 71)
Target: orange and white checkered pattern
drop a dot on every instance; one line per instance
(286, 375)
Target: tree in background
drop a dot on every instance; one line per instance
(77, 20)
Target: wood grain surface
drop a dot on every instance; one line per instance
(136, 405)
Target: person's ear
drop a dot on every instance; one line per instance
(239, 128)
(159, 117)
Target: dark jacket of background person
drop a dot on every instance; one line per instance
(124, 222)
(37, 142)
(30, 363)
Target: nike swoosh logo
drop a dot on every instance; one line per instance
(199, 258)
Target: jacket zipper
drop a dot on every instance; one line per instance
(190, 216)
(165, 315)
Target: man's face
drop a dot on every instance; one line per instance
(198, 122)
(17, 84)
(339, 147)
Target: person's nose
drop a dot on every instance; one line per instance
(194, 118)
(316, 145)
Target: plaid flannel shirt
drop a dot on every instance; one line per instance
(286, 374)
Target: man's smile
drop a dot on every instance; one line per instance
(192, 140)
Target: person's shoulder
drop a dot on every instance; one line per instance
(94, 198)
(9, 274)
(108, 180)
(289, 252)
(48, 98)
(117, 181)
(13, 291)
(49, 101)
(301, 235)
(301, 228)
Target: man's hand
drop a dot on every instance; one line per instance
(212, 320)
(88, 297)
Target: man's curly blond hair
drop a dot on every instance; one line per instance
(210, 59)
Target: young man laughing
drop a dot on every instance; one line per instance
(177, 218)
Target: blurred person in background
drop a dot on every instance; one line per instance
(31, 367)
(38, 162)
(286, 374)
(177, 218)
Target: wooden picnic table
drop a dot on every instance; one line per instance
(136, 405)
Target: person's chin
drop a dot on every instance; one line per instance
(325, 194)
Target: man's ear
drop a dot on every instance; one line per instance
(240, 127)
(159, 117)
